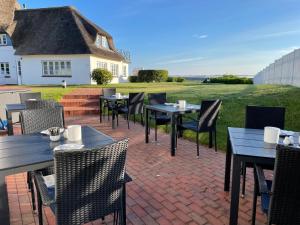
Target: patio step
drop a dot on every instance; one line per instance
(79, 102)
(80, 111)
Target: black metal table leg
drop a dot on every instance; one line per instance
(227, 165)
(235, 190)
(146, 126)
(173, 134)
(4, 209)
(113, 122)
(100, 109)
(10, 130)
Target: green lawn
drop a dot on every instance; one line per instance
(234, 97)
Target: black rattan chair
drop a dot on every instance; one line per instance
(280, 198)
(158, 117)
(206, 122)
(107, 92)
(31, 95)
(259, 117)
(34, 121)
(134, 106)
(89, 184)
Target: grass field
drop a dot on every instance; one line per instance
(234, 97)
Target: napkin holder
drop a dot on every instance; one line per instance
(271, 135)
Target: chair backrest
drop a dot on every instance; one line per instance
(157, 98)
(136, 103)
(89, 182)
(285, 199)
(209, 114)
(258, 117)
(31, 95)
(33, 121)
(40, 104)
(107, 92)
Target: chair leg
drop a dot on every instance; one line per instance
(216, 145)
(117, 119)
(40, 209)
(210, 139)
(32, 196)
(128, 120)
(142, 119)
(244, 171)
(197, 137)
(155, 131)
(254, 198)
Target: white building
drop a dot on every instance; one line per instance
(46, 46)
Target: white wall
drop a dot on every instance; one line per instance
(32, 72)
(118, 79)
(285, 71)
(7, 55)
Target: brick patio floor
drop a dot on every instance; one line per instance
(165, 190)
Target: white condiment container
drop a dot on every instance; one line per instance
(74, 133)
(182, 104)
(271, 135)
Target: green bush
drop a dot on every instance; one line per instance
(230, 79)
(133, 79)
(179, 79)
(102, 76)
(152, 75)
(170, 79)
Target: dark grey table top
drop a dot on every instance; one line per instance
(166, 108)
(15, 107)
(114, 98)
(250, 142)
(25, 150)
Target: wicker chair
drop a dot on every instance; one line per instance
(134, 106)
(258, 117)
(40, 104)
(34, 121)
(31, 95)
(89, 184)
(107, 92)
(159, 118)
(280, 197)
(206, 122)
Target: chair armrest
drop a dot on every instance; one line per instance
(262, 183)
(42, 189)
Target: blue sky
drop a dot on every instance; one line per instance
(193, 37)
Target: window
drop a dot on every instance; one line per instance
(4, 69)
(124, 71)
(57, 68)
(19, 68)
(114, 68)
(3, 39)
(102, 65)
(101, 41)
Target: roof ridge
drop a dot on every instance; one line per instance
(48, 8)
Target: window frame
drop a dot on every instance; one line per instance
(4, 69)
(124, 72)
(114, 69)
(3, 40)
(56, 68)
(102, 65)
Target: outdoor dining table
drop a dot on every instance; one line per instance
(114, 100)
(244, 145)
(22, 153)
(12, 108)
(173, 111)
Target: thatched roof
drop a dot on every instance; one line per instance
(7, 8)
(55, 31)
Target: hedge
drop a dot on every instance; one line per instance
(179, 79)
(229, 79)
(133, 79)
(152, 75)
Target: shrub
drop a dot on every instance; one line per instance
(152, 75)
(170, 79)
(102, 76)
(179, 79)
(231, 79)
(133, 79)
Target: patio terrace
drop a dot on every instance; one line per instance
(165, 190)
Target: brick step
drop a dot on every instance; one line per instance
(81, 96)
(80, 111)
(79, 102)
